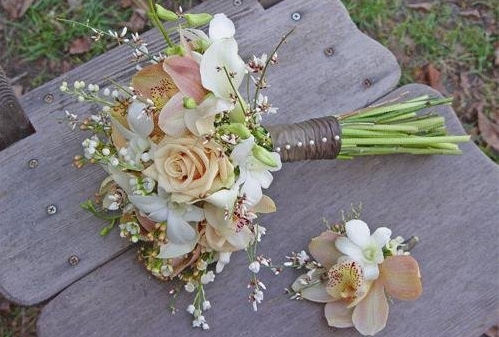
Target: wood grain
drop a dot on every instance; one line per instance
(14, 124)
(449, 202)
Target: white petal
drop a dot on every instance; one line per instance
(193, 213)
(222, 53)
(171, 250)
(171, 117)
(179, 231)
(347, 247)
(221, 27)
(241, 239)
(370, 270)
(127, 134)
(264, 178)
(140, 122)
(223, 198)
(381, 236)
(358, 232)
(242, 151)
(252, 189)
(121, 178)
(149, 203)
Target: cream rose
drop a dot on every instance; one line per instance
(190, 168)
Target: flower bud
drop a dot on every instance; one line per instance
(238, 129)
(189, 103)
(254, 267)
(198, 19)
(264, 156)
(175, 50)
(165, 14)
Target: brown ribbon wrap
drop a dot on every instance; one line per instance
(317, 138)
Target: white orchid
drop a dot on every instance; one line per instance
(253, 174)
(363, 247)
(222, 54)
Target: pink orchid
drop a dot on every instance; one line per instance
(351, 300)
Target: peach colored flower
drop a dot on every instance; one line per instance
(190, 169)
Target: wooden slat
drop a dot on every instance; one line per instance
(449, 202)
(35, 246)
(14, 124)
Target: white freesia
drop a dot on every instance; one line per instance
(363, 247)
(253, 174)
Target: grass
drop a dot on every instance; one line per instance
(458, 46)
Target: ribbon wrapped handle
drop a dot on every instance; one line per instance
(317, 138)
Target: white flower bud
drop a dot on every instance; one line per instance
(254, 267)
(190, 309)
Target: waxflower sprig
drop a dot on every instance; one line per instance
(353, 273)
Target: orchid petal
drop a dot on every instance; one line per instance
(221, 27)
(263, 177)
(180, 231)
(338, 314)
(252, 190)
(401, 278)
(315, 293)
(222, 54)
(121, 178)
(121, 130)
(242, 151)
(358, 232)
(371, 271)
(381, 236)
(347, 247)
(193, 213)
(171, 249)
(151, 205)
(138, 120)
(154, 83)
(185, 73)
(370, 315)
(323, 249)
(223, 199)
(241, 239)
(266, 205)
(171, 118)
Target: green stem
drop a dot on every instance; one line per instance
(158, 24)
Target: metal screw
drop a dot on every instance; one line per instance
(238, 2)
(51, 209)
(329, 51)
(32, 163)
(367, 83)
(73, 260)
(48, 98)
(296, 16)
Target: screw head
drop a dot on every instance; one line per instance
(48, 98)
(51, 209)
(238, 2)
(367, 83)
(32, 163)
(73, 260)
(296, 16)
(329, 51)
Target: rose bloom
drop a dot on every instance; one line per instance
(189, 168)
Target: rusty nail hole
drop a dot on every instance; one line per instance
(73, 260)
(32, 163)
(329, 51)
(367, 83)
(48, 98)
(238, 2)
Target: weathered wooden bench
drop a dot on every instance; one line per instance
(50, 250)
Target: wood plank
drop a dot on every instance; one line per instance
(14, 124)
(35, 246)
(449, 202)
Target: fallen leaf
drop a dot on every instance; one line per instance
(489, 130)
(80, 46)
(18, 90)
(429, 75)
(471, 13)
(422, 6)
(16, 8)
(137, 21)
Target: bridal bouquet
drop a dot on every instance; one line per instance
(187, 158)
(354, 271)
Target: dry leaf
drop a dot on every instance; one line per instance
(429, 75)
(489, 130)
(422, 6)
(471, 13)
(16, 8)
(80, 46)
(137, 21)
(18, 90)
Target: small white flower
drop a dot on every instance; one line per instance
(205, 326)
(190, 309)
(189, 287)
(106, 151)
(363, 247)
(208, 277)
(106, 92)
(206, 305)
(254, 267)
